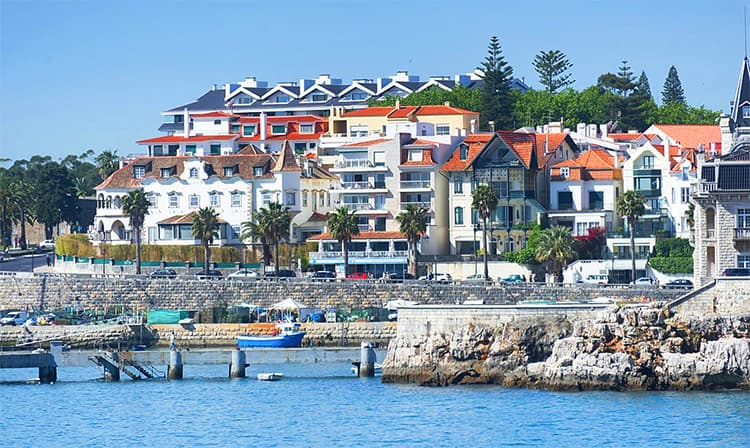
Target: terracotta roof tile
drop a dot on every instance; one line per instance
(402, 112)
(194, 138)
(593, 164)
(692, 135)
(475, 143)
(549, 142)
(185, 219)
(368, 235)
(367, 143)
(520, 143)
(444, 110)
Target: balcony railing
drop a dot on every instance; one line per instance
(704, 187)
(357, 185)
(742, 233)
(414, 184)
(422, 203)
(360, 254)
(354, 163)
(364, 227)
(358, 206)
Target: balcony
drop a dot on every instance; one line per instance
(742, 234)
(356, 165)
(415, 185)
(359, 254)
(358, 206)
(361, 187)
(421, 203)
(650, 193)
(356, 185)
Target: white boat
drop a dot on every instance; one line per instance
(270, 376)
(378, 368)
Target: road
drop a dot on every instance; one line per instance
(23, 263)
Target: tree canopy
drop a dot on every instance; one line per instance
(672, 92)
(552, 67)
(496, 97)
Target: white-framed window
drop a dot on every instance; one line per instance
(266, 199)
(235, 128)
(442, 129)
(214, 199)
(685, 194)
(743, 218)
(648, 161)
(319, 97)
(193, 173)
(743, 261)
(282, 98)
(173, 200)
(217, 122)
(248, 130)
(257, 171)
(322, 199)
(139, 171)
(291, 198)
(228, 171)
(214, 149)
(194, 201)
(236, 199)
(151, 199)
(565, 171)
(415, 155)
(277, 129)
(190, 149)
(306, 128)
(458, 216)
(166, 172)
(745, 111)
(236, 231)
(304, 199)
(458, 185)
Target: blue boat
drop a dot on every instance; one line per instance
(289, 336)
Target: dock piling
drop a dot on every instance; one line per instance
(174, 371)
(367, 360)
(238, 364)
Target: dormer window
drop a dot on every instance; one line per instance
(565, 171)
(319, 98)
(248, 130)
(228, 171)
(166, 172)
(415, 155)
(235, 129)
(464, 152)
(257, 171)
(306, 128)
(278, 129)
(746, 111)
(193, 200)
(356, 96)
(151, 197)
(139, 171)
(282, 99)
(193, 173)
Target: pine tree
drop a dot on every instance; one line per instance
(673, 92)
(642, 87)
(626, 80)
(496, 100)
(552, 67)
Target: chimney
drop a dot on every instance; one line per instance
(492, 126)
(473, 125)
(186, 123)
(603, 129)
(617, 160)
(666, 148)
(263, 131)
(213, 87)
(447, 104)
(398, 104)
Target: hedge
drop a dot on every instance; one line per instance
(672, 265)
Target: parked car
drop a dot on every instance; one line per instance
(14, 318)
(474, 278)
(397, 277)
(513, 278)
(47, 244)
(244, 274)
(596, 279)
(641, 281)
(680, 283)
(163, 273)
(358, 276)
(438, 277)
(323, 276)
(736, 272)
(211, 274)
(284, 275)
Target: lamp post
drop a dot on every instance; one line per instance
(104, 252)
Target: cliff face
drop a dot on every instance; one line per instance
(632, 348)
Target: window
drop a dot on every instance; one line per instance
(380, 224)
(442, 129)
(166, 172)
(379, 202)
(151, 199)
(217, 122)
(743, 261)
(158, 150)
(172, 149)
(236, 199)
(304, 199)
(685, 173)
(278, 129)
(648, 161)
(474, 217)
(379, 180)
(743, 218)
(236, 230)
(319, 97)
(282, 98)
(291, 198)
(596, 200)
(215, 149)
(193, 200)
(415, 155)
(266, 199)
(257, 171)
(213, 199)
(378, 158)
(685, 194)
(190, 149)
(306, 128)
(565, 171)
(228, 171)
(464, 154)
(458, 185)
(193, 173)
(357, 96)
(311, 146)
(173, 202)
(564, 200)
(745, 111)
(139, 171)
(458, 216)
(299, 148)
(248, 130)
(235, 128)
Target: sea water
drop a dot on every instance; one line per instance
(323, 405)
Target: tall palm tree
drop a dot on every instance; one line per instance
(413, 224)
(484, 201)
(253, 231)
(135, 205)
(342, 225)
(555, 249)
(26, 203)
(631, 205)
(108, 162)
(272, 226)
(205, 228)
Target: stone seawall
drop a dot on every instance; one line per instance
(41, 292)
(728, 295)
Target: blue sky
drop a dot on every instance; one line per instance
(78, 75)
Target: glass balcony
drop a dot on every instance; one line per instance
(356, 185)
(354, 163)
(358, 206)
(415, 184)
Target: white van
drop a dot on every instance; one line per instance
(596, 279)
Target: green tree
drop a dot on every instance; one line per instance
(484, 201)
(642, 87)
(342, 225)
(205, 228)
(460, 96)
(55, 196)
(496, 97)
(135, 206)
(555, 250)
(108, 162)
(272, 227)
(552, 67)
(413, 224)
(253, 231)
(631, 205)
(672, 92)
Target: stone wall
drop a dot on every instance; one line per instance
(729, 295)
(42, 292)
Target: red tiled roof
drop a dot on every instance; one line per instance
(369, 112)
(625, 136)
(444, 110)
(368, 235)
(552, 140)
(475, 143)
(593, 164)
(367, 143)
(185, 219)
(402, 112)
(194, 138)
(522, 144)
(212, 115)
(692, 135)
(317, 216)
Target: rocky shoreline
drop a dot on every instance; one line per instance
(629, 348)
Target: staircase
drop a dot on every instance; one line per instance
(133, 369)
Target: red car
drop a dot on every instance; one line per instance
(358, 276)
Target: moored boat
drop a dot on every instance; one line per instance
(288, 336)
(270, 376)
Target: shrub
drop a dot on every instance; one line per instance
(672, 265)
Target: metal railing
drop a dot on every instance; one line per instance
(357, 253)
(414, 184)
(356, 185)
(358, 205)
(354, 163)
(422, 203)
(742, 233)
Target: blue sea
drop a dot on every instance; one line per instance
(325, 405)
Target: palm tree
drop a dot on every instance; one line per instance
(271, 226)
(555, 249)
(342, 225)
(253, 231)
(108, 162)
(205, 227)
(631, 205)
(484, 201)
(135, 205)
(413, 224)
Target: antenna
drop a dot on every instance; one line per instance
(745, 11)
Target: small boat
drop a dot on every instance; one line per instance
(270, 376)
(287, 335)
(378, 368)
(186, 321)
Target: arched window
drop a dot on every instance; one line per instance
(117, 202)
(100, 201)
(109, 201)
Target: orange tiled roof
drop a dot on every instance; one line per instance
(377, 141)
(692, 135)
(402, 112)
(368, 235)
(522, 144)
(194, 138)
(625, 136)
(594, 164)
(475, 143)
(212, 115)
(444, 110)
(185, 219)
(552, 140)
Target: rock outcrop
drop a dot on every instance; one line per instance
(629, 348)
